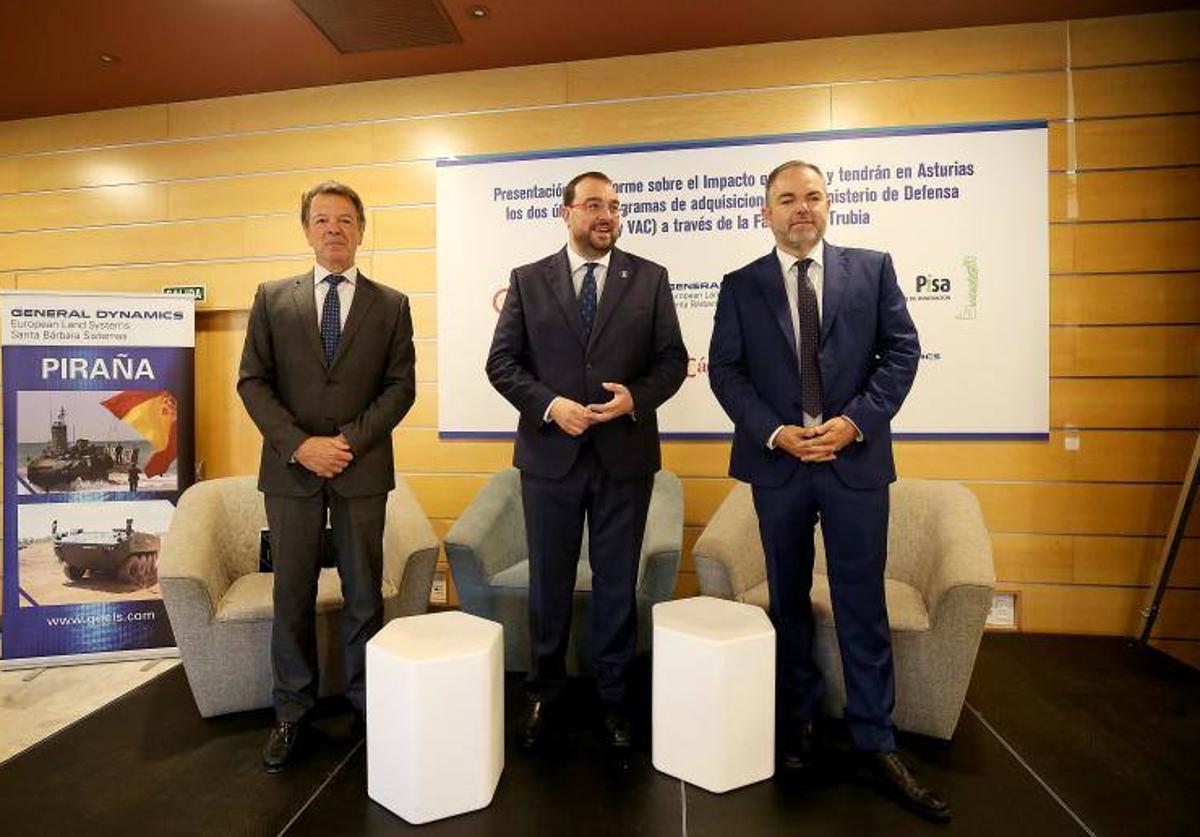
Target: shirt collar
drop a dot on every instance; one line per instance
(577, 261)
(350, 275)
(787, 260)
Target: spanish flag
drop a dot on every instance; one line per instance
(152, 412)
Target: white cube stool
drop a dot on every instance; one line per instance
(713, 693)
(435, 715)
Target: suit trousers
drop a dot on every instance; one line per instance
(555, 513)
(296, 524)
(854, 524)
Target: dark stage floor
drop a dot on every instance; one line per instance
(1061, 735)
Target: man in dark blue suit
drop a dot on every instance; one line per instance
(813, 352)
(587, 347)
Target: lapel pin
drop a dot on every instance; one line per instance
(624, 274)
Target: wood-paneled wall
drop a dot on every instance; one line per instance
(205, 193)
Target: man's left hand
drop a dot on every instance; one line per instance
(823, 441)
(619, 405)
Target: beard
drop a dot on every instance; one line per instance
(598, 241)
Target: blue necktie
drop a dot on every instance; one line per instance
(587, 299)
(331, 317)
(809, 343)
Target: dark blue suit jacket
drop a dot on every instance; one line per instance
(868, 356)
(539, 351)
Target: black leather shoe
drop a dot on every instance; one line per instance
(798, 750)
(618, 728)
(896, 779)
(281, 745)
(531, 728)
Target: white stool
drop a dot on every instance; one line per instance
(713, 693)
(435, 715)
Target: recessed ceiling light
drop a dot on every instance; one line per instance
(478, 12)
(109, 58)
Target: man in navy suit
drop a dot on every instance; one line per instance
(586, 348)
(813, 352)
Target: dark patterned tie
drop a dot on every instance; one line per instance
(587, 300)
(331, 317)
(810, 341)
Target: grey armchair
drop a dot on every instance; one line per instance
(938, 583)
(489, 560)
(220, 605)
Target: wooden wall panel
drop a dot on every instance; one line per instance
(942, 100)
(859, 58)
(422, 139)
(1140, 89)
(1149, 298)
(1138, 143)
(1179, 615)
(206, 192)
(1122, 561)
(1125, 350)
(1145, 194)
(1076, 609)
(1186, 651)
(1135, 39)
(229, 285)
(83, 130)
(505, 87)
(1151, 403)
(1131, 247)
(1079, 508)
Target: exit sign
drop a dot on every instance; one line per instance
(186, 290)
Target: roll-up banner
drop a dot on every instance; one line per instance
(98, 445)
(961, 208)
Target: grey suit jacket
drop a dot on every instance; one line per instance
(291, 395)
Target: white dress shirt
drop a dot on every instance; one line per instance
(345, 291)
(578, 265)
(789, 269)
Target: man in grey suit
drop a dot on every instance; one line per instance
(327, 372)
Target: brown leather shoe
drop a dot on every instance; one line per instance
(281, 745)
(896, 779)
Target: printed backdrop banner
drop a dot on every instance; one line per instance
(98, 445)
(962, 209)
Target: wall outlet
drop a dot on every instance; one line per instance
(1004, 611)
(437, 594)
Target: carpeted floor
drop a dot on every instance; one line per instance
(1061, 735)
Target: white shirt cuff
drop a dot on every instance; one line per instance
(771, 441)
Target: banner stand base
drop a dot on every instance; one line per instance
(86, 659)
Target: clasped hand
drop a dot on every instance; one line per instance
(819, 443)
(325, 456)
(573, 418)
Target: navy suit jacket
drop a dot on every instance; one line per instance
(539, 351)
(868, 358)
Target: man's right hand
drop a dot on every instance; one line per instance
(325, 456)
(799, 441)
(571, 417)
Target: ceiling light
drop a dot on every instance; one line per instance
(109, 58)
(478, 12)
